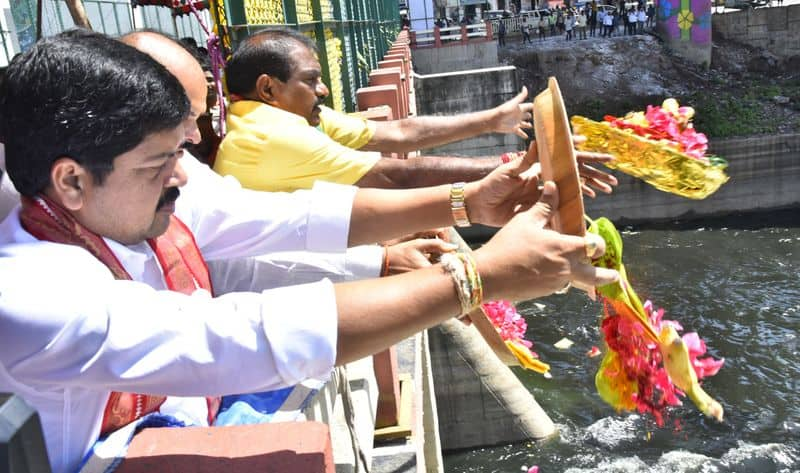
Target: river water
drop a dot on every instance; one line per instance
(737, 284)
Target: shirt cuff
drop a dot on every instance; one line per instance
(305, 345)
(364, 262)
(329, 221)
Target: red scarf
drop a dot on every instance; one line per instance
(184, 271)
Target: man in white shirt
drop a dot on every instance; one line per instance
(641, 16)
(632, 20)
(608, 24)
(103, 286)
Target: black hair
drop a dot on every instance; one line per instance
(189, 41)
(266, 52)
(86, 97)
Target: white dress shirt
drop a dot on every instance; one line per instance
(70, 333)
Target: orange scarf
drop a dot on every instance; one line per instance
(180, 259)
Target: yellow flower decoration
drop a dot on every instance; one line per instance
(685, 19)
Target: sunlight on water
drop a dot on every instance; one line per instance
(739, 288)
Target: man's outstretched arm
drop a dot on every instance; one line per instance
(426, 171)
(411, 134)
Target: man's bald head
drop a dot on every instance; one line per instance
(169, 52)
(180, 63)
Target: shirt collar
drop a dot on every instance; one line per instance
(134, 258)
(257, 112)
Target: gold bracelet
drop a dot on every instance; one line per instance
(458, 206)
(454, 266)
(474, 278)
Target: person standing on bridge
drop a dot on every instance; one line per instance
(569, 25)
(608, 24)
(543, 25)
(641, 19)
(525, 29)
(581, 24)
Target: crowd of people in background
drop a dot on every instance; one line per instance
(590, 20)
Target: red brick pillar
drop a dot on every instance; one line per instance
(278, 447)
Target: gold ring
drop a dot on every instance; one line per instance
(590, 246)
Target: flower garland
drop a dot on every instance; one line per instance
(634, 376)
(670, 123)
(511, 327)
(647, 366)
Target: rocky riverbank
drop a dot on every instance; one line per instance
(744, 92)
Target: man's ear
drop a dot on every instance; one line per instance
(69, 182)
(268, 89)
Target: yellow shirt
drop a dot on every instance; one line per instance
(347, 130)
(270, 149)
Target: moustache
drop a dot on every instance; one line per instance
(170, 196)
(320, 101)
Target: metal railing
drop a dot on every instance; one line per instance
(437, 37)
(112, 17)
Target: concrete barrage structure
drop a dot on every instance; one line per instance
(776, 29)
(685, 26)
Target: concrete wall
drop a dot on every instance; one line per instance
(764, 174)
(455, 57)
(776, 29)
(479, 400)
(467, 91)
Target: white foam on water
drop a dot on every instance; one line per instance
(609, 432)
(685, 462)
(772, 457)
(617, 465)
(766, 457)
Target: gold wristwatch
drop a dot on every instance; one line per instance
(458, 206)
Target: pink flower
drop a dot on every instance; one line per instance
(509, 323)
(694, 144)
(641, 362)
(670, 123)
(702, 367)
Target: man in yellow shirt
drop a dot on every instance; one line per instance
(281, 138)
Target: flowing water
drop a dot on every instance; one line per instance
(739, 288)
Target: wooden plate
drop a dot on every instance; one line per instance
(557, 157)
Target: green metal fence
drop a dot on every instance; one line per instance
(351, 35)
(112, 17)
